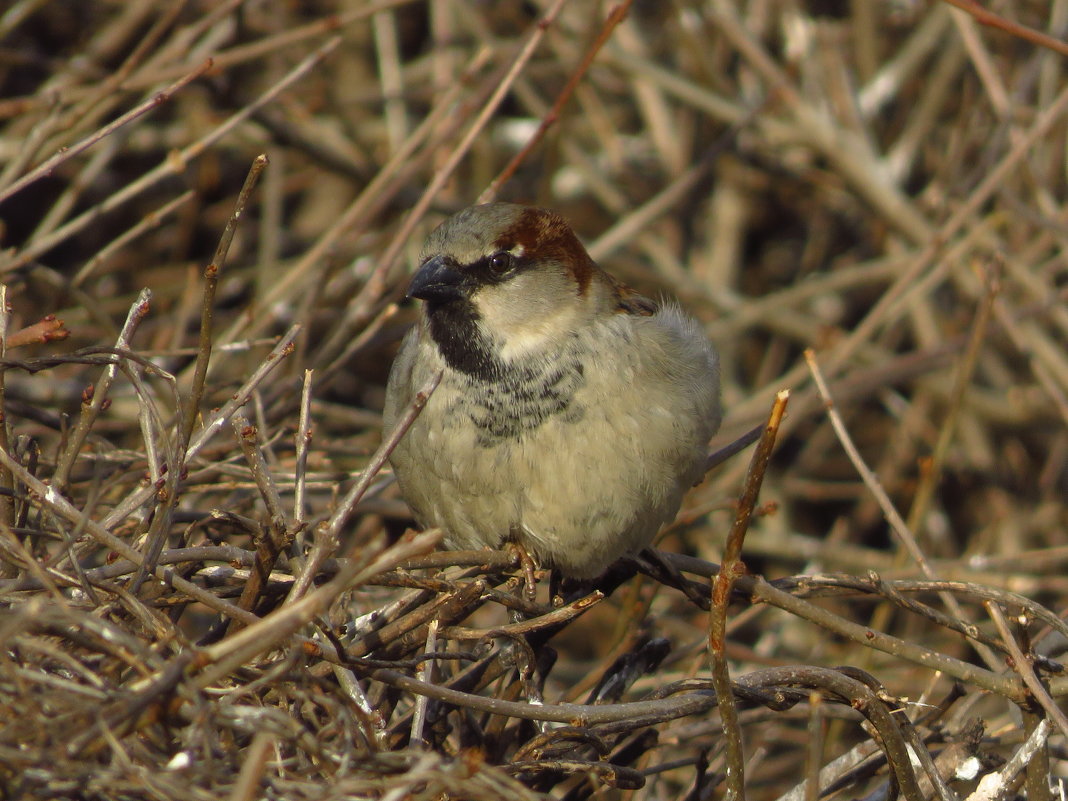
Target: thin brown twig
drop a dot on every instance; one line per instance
(1025, 668)
(722, 584)
(871, 481)
(615, 16)
(573, 714)
(262, 634)
(323, 546)
(274, 536)
(7, 499)
(64, 509)
(174, 163)
(992, 20)
(897, 523)
(962, 380)
(247, 784)
(559, 615)
(908, 282)
(353, 496)
(303, 440)
(152, 219)
(760, 591)
(268, 45)
(94, 398)
(213, 424)
(156, 101)
(207, 307)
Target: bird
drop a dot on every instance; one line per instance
(572, 413)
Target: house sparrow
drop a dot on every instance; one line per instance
(573, 413)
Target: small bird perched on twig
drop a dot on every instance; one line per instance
(572, 414)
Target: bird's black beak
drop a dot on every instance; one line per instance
(437, 280)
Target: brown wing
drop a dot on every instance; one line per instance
(628, 301)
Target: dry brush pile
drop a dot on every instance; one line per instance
(209, 210)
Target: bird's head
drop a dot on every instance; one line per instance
(506, 281)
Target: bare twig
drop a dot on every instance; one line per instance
(275, 536)
(615, 16)
(989, 18)
(722, 584)
(353, 496)
(214, 423)
(173, 164)
(156, 101)
(95, 397)
(207, 308)
(871, 481)
(1025, 668)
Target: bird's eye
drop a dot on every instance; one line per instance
(501, 261)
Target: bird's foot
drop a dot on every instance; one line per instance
(530, 583)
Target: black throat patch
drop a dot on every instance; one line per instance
(506, 400)
(454, 327)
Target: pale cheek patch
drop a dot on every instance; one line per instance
(522, 325)
(530, 339)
